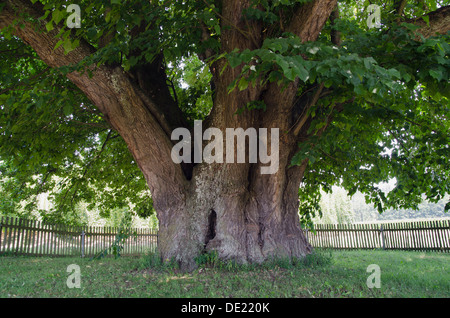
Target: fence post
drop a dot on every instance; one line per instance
(382, 236)
(82, 243)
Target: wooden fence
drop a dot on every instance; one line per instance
(28, 237)
(433, 235)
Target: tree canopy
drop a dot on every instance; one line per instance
(378, 97)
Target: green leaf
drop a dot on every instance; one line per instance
(108, 16)
(328, 83)
(49, 26)
(283, 63)
(243, 84)
(57, 15)
(299, 69)
(426, 19)
(91, 33)
(234, 60)
(394, 73)
(217, 29)
(67, 110)
(58, 44)
(437, 74)
(67, 45)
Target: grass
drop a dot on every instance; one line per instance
(324, 275)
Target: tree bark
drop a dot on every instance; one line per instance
(439, 22)
(244, 217)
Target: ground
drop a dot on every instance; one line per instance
(332, 274)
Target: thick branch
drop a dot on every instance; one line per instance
(303, 118)
(237, 33)
(151, 78)
(335, 34)
(307, 23)
(310, 18)
(439, 22)
(399, 6)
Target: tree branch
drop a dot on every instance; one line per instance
(439, 22)
(307, 23)
(310, 18)
(399, 6)
(304, 116)
(335, 35)
(152, 81)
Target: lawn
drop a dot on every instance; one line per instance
(328, 275)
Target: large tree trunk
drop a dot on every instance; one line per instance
(244, 217)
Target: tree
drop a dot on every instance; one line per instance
(336, 208)
(90, 98)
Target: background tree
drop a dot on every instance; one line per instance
(336, 208)
(86, 112)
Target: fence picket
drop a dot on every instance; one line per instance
(418, 240)
(441, 233)
(435, 234)
(49, 238)
(394, 236)
(363, 241)
(28, 237)
(57, 239)
(428, 241)
(400, 229)
(35, 250)
(19, 246)
(41, 238)
(15, 230)
(397, 232)
(319, 235)
(32, 231)
(418, 226)
(353, 236)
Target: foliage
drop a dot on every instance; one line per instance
(363, 212)
(124, 232)
(154, 261)
(191, 80)
(209, 259)
(386, 91)
(336, 208)
(397, 131)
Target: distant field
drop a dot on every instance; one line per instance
(339, 274)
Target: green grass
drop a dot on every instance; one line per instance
(341, 274)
